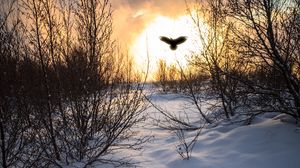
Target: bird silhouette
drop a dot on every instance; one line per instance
(173, 42)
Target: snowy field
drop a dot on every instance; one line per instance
(271, 141)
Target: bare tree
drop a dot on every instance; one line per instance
(41, 37)
(15, 132)
(232, 65)
(103, 102)
(80, 98)
(161, 75)
(10, 130)
(272, 39)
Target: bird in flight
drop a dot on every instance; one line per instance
(173, 42)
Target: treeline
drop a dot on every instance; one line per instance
(66, 91)
(250, 59)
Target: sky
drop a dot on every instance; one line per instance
(138, 24)
(132, 16)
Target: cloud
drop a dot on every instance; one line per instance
(131, 17)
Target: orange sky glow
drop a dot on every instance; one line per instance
(138, 24)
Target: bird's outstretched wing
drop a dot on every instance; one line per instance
(180, 40)
(166, 40)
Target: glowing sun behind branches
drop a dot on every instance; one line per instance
(148, 46)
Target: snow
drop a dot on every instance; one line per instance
(270, 141)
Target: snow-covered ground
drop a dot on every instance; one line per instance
(270, 141)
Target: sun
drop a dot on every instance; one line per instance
(148, 49)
